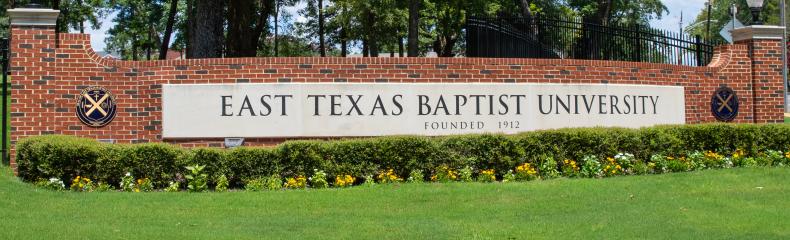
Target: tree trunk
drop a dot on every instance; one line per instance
(525, 11)
(171, 19)
(134, 48)
(206, 35)
(603, 12)
(260, 25)
(321, 42)
(241, 16)
(82, 21)
(276, 27)
(365, 47)
(190, 26)
(148, 45)
(343, 42)
(443, 46)
(414, 27)
(373, 45)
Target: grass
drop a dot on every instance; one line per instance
(731, 203)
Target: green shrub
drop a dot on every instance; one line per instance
(776, 157)
(679, 164)
(248, 163)
(273, 182)
(127, 183)
(222, 183)
(318, 180)
(155, 161)
(591, 167)
(548, 167)
(212, 158)
(173, 187)
(254, 185)
(197, 181)
(416, 175)
(62, 157)
(565, 152)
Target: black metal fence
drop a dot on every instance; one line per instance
(559, 37)
(4, 64)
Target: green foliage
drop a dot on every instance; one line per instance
(660, 163)
(591, 167)
(82, 184)
(144, 185)
(488, 175)
(254, 185)
(249, 163)
(127, 183)
(416, 175)
(640, 168)
(273, 182)
(746, 162)
(509, 176)
(679, 165)
(548, 168)
(197, 181)
(222, 184)
(53, 184)
(551, 153)
(776, 158)
(465, 174)
(103, 187)
(318, 180)
(62, 157)
(173, 187)
(369, 181)
(155, 161)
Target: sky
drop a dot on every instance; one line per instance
(689, 8)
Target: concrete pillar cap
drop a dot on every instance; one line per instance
(33, 16)
(765, 32)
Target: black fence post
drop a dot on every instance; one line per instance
(638, 44)
(698, 48)
(4, 47)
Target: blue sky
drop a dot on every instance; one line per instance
(690, 9)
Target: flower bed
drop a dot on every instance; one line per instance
(582, 152)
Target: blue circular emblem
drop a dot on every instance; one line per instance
(96, 106)
(724, 104)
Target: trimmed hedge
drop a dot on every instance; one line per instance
(66, 157)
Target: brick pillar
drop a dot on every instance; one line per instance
(32, 57)
(765, 51)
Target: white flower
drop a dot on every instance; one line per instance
(128, 174)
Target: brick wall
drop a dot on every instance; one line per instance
(48, 76)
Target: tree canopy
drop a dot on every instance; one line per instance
(143, 29)
(720, 15)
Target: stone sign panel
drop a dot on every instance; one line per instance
(377, 109)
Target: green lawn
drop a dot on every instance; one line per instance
(712, 204)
